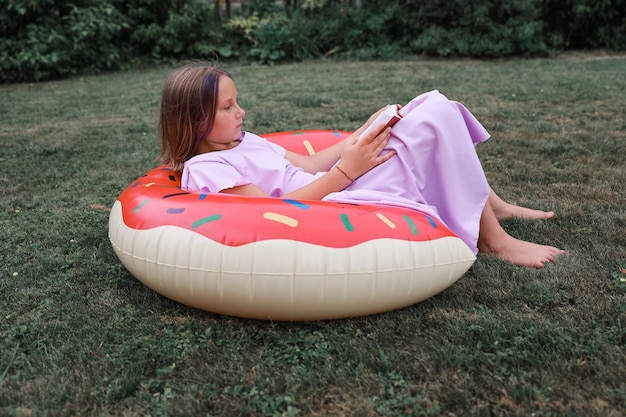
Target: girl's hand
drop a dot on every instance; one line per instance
(359, 156)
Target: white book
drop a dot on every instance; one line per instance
(388, 117)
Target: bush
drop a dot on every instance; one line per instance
(39, 41)
(43, 39)
(273, 38)
(474, 28)
(316, 29)
(362, 34)
(165, 32)
(574, 24)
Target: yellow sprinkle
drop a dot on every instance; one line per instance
(150, 184)
(308, 146)
(386, 220)
(289, 221)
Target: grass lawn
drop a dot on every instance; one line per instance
(79, 336)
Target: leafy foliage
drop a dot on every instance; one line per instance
(586, 23)
(476, 28)
(163, 31)
(44, 39)
(40, 40)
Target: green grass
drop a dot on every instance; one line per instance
(79, 336)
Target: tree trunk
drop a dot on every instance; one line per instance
(218, 11)
(229, 9)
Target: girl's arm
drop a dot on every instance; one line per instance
(330, 182)
(325, 159)
(358, 157)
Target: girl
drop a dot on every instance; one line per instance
(426, 162)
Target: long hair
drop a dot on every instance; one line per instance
(188, 107)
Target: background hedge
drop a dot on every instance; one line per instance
(45, 39)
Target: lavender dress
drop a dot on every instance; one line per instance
(436, 169)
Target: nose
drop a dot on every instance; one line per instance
(242, 112)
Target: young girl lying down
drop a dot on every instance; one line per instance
(427, 161)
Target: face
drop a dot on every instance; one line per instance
(228, 119)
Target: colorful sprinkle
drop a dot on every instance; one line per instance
(288, 221)
(150, 184)
(346, 222)
(411, 224)
(172, 178)
(386, 220)
(136, 209)
(297, 204)
(173, 195)
(175, 210)
(336, 134)
(135, 184)
(432, 222)
(308, 146)
(202, 196)
(205, 220)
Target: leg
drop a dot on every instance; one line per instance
(504, 210)
(494, 240)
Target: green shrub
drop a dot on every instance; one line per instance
(164, 33)
(41, 41)
(365, 33)
(272, 38)
(92, 34)
(284, 39)
(262, 8)
(574, 24)
(474, 27)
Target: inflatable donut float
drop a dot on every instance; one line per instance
(278, 259)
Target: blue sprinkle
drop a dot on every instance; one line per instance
(297, 204)
(336, 133)
(172, 178)
(202, 196)
(432, 222)
(175, 210)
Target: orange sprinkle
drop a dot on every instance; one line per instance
(288, 221)
(386, 220)
(308, 146)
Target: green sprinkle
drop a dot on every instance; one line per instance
(346, 223)
(136, 209)
(204, 220)
(411, 224)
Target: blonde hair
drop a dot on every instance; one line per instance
(188, 107)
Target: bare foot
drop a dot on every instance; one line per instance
(520, 252)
